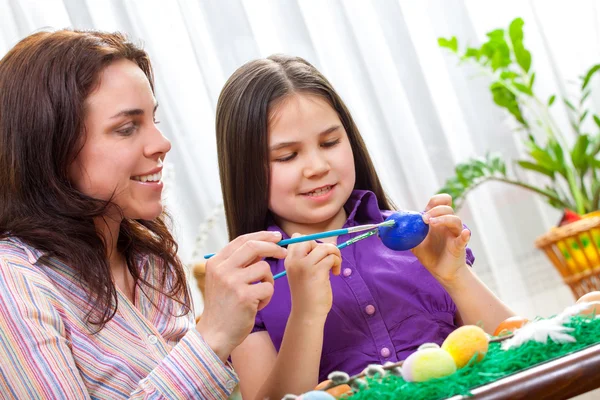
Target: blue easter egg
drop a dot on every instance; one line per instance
(316, 395)
(408, 231)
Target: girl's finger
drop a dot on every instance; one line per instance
(321, 251)
(451, 222)
(437, 211)
(463, 239)
(330, 262)
(301, 249)
(441, 199)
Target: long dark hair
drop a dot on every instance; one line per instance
(44, 81)
(242, 137)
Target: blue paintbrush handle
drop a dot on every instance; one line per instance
(306, 238)
(339, 246)
(314, 236)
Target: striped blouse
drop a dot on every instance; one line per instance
(48, 352)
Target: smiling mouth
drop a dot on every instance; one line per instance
(148, 178)
(319, 191)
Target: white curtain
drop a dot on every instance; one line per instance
(418, 110)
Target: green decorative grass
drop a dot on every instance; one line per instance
(496, 365)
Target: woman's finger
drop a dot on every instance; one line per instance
(258, 272)
(252, 251)
(231, 247)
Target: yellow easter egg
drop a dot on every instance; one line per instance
(466, 342)
(429, 362)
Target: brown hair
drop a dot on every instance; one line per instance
(242, 136)
(44, 82)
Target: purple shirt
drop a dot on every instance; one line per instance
(385, 303)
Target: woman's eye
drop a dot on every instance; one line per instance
(127, 130)
(156, 121)
(286, 158)
(331, 143)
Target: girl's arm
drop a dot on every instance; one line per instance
(265, 374)
(296, 368)
(443, 253)
(476, 303)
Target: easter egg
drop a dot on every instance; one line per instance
(316, 395)
(510, 325)
(593, 309)
(408, 231)
(466, 342)
(336, 391)
(429, 362)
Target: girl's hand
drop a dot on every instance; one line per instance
(443, 252)
(308, 265)
(238, 284)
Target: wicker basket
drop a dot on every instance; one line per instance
(574, 251)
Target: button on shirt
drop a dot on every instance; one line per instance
(385, 303)
(144, 352)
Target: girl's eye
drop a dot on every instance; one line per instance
(286, 158)
(156, 122)
(331, 143)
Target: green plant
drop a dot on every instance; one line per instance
(570, 172)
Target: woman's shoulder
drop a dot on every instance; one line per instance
(20, 271)
(16, 253)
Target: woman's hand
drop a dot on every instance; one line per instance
(443, 252)
(308, 265)
(238, 284)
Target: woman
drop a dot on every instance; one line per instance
(93, 299)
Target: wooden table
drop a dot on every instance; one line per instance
(562, 378)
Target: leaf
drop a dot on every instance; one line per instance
(472, 53)
(583, 116)
(505, 98)
(536, 167)
(570, 105)
(515, 30)
(451, 44)
(532, 81)
(507, 75)
(496, 35)
(522, 55)
(551, 100)
(585, 96)
(543, 158)
(578, 154)
(523, 89)
(597, 120)
(588, 75)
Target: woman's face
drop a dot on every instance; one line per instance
(124, 150)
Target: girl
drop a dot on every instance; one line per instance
(93, 299)
(280, 122)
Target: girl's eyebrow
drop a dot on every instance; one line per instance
(282, 145)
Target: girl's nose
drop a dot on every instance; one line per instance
(316, 165)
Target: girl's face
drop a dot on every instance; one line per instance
(123, 151)
(311, 163)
